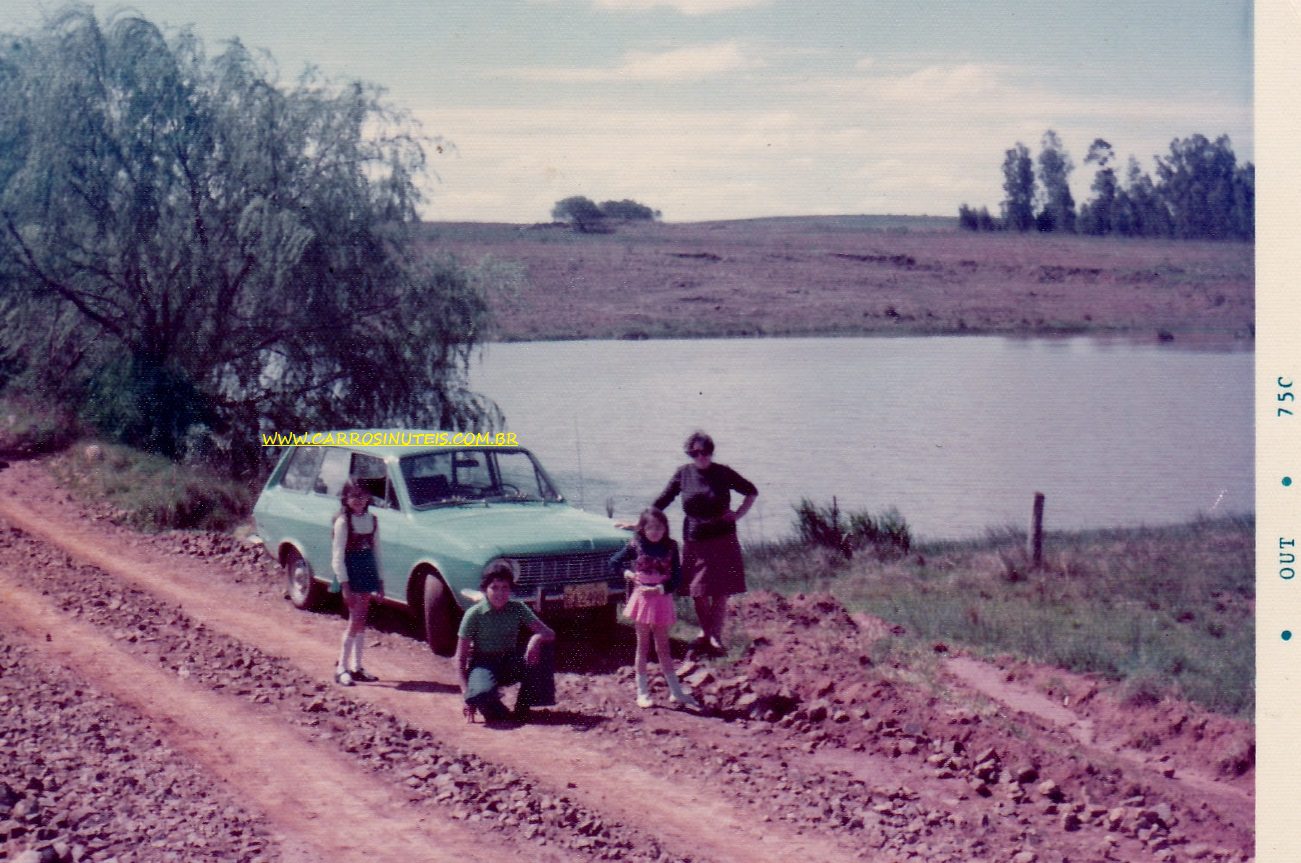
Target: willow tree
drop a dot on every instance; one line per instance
(186, 242)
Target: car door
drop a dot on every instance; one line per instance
(286, 511)
(320, 508)
(373, 474)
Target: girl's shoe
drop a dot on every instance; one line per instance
(469, 711)
(361, 675)
(343, 678)
(644, 700)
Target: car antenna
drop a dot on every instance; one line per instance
(578, 446)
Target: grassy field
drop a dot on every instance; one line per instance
(151, 492)
(1163, 609)
(850, 275)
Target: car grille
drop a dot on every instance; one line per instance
(560, 569)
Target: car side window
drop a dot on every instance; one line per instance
(303, 466)
(428, 477)
(333, 473)
(372, 475)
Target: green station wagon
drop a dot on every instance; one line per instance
(445, 514)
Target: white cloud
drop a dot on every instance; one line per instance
(688, 63)
(684, 7)
(892, 137)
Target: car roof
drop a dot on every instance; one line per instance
(395, 442)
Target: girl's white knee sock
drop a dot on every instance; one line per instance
(344, 650)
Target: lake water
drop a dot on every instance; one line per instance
(957, 433)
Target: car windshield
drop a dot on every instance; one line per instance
(458, 476)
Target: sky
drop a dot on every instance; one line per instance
(726, 109)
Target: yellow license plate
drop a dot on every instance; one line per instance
(585, 595)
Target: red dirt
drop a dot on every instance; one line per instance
(815, 744)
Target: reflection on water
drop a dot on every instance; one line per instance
(957, 433)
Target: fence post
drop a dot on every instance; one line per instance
(1036, 539)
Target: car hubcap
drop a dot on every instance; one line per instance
(300, 580)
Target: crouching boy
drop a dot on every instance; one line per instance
(488, 654)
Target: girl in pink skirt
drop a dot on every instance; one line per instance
(656, 570)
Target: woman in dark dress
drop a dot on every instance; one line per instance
(712, 568)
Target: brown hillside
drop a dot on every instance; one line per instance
(854, 275)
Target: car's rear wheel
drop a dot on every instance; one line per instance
(302, 588)
(439, 616)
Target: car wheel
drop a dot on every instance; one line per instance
(604, 621)
(440, 616)
(302, 588)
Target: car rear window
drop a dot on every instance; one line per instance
(304, 464)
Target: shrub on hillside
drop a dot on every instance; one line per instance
(826, 526)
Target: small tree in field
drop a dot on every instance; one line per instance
(184, 240)
(581, 212)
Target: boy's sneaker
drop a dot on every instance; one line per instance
(361, 675)
(494, 712)
(644, 700)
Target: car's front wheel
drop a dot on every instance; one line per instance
(439, 616)
(302, 588)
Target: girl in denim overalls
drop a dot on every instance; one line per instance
(356, 565)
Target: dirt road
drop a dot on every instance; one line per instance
(160, 701)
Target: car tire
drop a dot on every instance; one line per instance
(605, 620)
(439, 616)
(301, 586)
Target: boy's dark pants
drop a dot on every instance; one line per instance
(488, 672)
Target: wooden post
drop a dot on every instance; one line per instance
(1036, 541)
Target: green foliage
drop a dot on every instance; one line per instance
(28, 426)
(827, 527)
(1019, 189)
(971, 219)
(1141, 212)
(588, 217)
(1208, 195)
(152, 492)
(628, 210)
(248, 245)
(581, 212)
(135, 402)
(1097, 216)
(1058, 209)
(1201, 193)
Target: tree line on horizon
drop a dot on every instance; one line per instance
(1200, 193)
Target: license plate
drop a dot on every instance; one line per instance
(585, 595)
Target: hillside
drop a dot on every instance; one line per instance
(877, 275)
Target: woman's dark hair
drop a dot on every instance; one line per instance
(651, 513)
(699, 440)
(499, 571)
